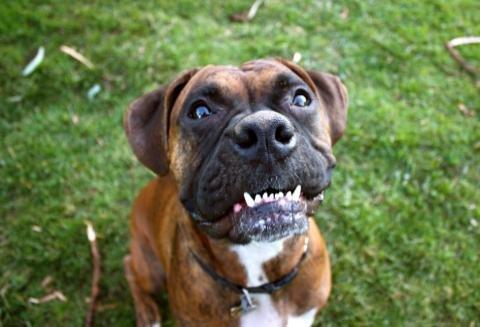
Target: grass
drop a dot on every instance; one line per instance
(402, 218)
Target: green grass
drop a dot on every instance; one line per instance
(402, 218)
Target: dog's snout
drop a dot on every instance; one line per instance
(264, 133)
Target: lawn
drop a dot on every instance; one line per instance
(402, 218)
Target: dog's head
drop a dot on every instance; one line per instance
(250, 147)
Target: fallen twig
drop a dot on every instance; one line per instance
(95, 291)
(464, 40)
(76, 55)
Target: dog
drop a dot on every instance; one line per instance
(243, 156)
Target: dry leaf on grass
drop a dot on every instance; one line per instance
(36, 61)
(55, 295)
(76, 55)
(93, 91)
(246, 16)
(465, 111)
(75, 119)
(297, 56)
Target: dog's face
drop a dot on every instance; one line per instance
(249, 147)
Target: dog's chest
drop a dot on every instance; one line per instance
(252, 256)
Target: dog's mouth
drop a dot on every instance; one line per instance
(266, 216)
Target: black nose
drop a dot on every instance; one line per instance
(264, 133)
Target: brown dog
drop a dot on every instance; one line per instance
(244, 156)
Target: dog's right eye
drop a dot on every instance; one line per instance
(199, 111)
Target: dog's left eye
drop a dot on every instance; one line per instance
(199, 111)
(301, 99)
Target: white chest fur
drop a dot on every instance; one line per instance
(252, 256)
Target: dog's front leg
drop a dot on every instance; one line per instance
(146, 309)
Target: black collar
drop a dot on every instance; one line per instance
(267, 288)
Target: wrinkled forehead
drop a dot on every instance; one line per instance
(249, 80)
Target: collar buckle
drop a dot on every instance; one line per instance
(246, 305)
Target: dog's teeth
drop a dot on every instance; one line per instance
(265, 196)
(258, 198)
(271, 197)
(320, 196)
(248, 199)
(280, 195)
(289, 196)
(296, 193)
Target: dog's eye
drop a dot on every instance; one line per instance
(301, 99)
(199, 111)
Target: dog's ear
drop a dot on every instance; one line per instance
(146, 123)
(333, 94)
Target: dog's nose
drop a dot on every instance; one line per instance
(265, 132)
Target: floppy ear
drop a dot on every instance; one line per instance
(146, 123)
(333, 94)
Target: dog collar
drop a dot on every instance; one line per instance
(246, 303)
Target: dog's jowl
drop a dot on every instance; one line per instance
(243, 156)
